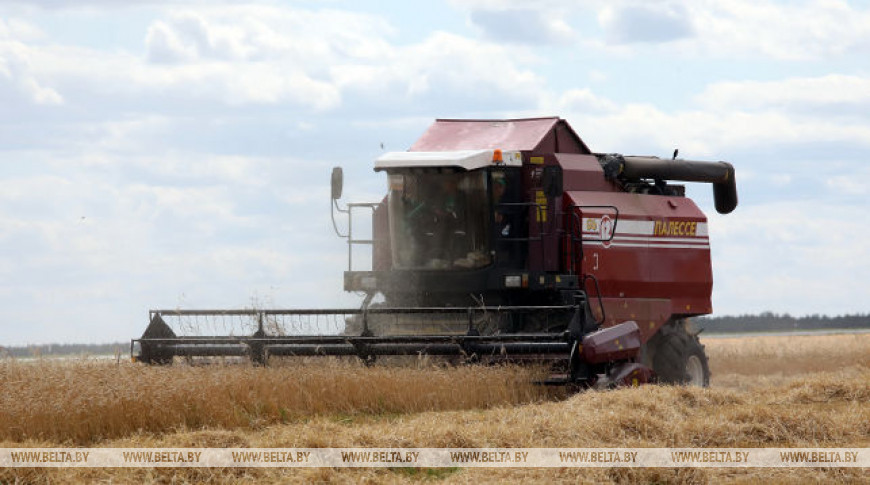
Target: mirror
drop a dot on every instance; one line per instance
(337, 182)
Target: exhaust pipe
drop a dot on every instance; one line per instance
(720, 174)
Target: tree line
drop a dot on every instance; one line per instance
(775, 322)
(58, 350)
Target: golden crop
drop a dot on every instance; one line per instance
(766, 391)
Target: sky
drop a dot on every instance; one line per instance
(163, 154)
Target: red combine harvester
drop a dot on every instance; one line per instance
(505, 240)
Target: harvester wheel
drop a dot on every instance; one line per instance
(678, 357)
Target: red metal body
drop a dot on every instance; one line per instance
(649, 254)
(657, 264)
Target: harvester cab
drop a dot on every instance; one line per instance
(456, 215)
(507, 240)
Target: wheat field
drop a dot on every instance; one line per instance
(765, 391)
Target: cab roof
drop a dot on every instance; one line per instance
(536, 135)
(463, 159)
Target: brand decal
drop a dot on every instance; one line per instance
(675, 228)
(601, 228)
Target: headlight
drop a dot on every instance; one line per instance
(513, 281)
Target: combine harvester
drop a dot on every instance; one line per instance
(505, 240)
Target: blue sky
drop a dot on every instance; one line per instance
(177, 153)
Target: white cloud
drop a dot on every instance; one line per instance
(544, 5)
(631, 22)
(99, 243)
(598, 76)
(254, 55)
(446, 66)
(815, 29)
(465, 64)
(164, 45)
(832, 90)
(780, 180)
(584, 101)
(829, 109)
(522, 25)
(855, 184)
(16, 28)
(104, 75)
(706, 133)
(234, 55)
(17, 74)
(259, 33)
(741, 28)
(806, 30)
(800, 257)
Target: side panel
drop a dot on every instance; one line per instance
(650, 256)
(382, 259)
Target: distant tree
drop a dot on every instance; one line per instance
(771, 322)
(57, 350)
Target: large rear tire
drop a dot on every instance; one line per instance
(677, 356)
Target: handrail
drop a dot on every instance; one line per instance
(349, 236)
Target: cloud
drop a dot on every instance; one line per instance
(103, 5)
(702, 133)
(854, 184)
(729, 114)
(832, 93)
(523, 26)
(163, 45)
(445, 73)
(585, 101)
(313, 61)
(102, 243)
(780, 180)
(253, 33)
(543, 5)
(16, 28)
(789, 31)
(763, 254)
(628, 23)
(737, 29)
(17, 76)
(746, 29)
